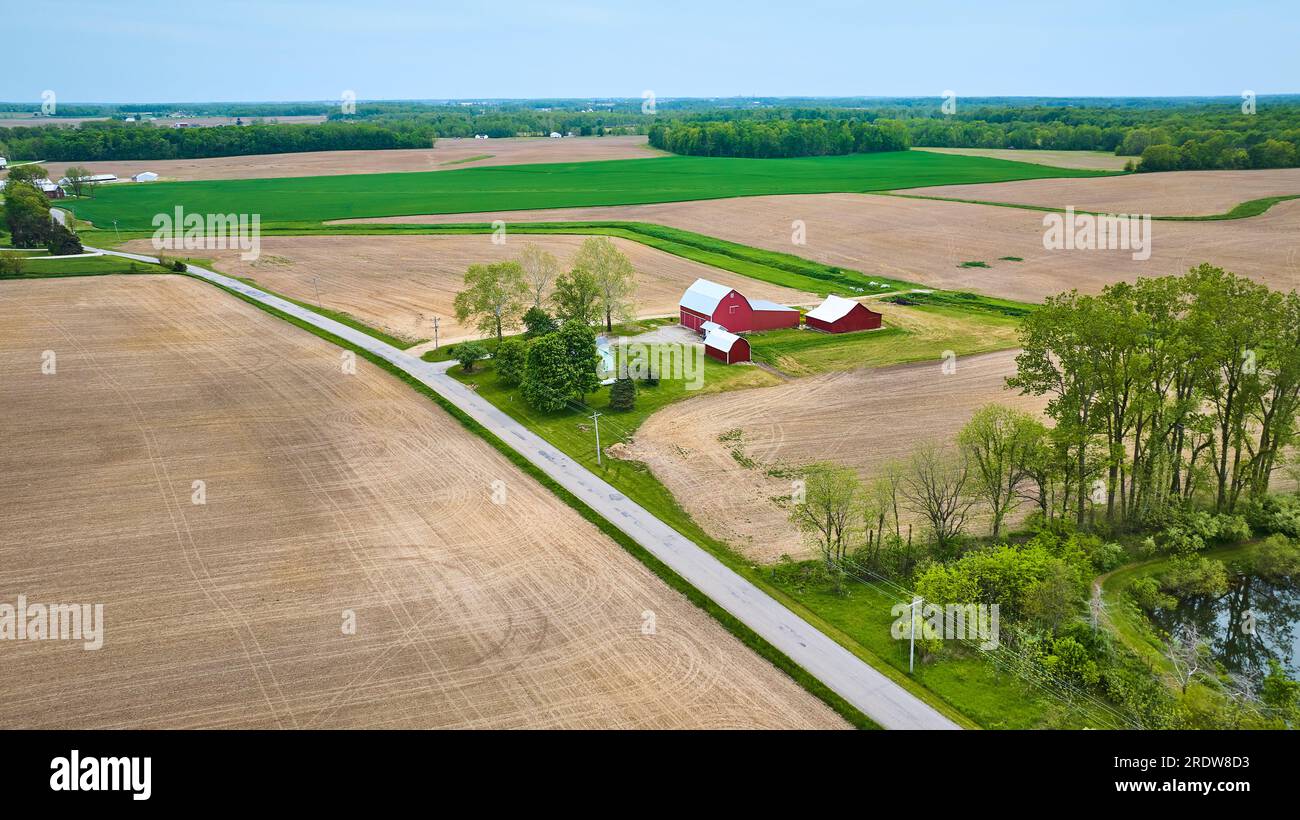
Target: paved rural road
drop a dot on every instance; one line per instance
(875, 695)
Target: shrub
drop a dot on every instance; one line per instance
(1275, 514)
(1069, 659)
(1146, 593)
(11, 264)
(63, 242)
(468, 353)
(1107, 555)
(1278, 557)
(1231, 529)
(511, 356)
(622, 395)
(1196, 576)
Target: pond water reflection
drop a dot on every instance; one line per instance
(1275, 608)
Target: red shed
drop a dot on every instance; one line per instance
(707, 301)
(726, 347)
(840, 315)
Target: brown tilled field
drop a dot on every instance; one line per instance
(325, 492)
(1092, 160)
(449, 154)
(1173, 193)
(861, 419)
(927, 241)
(387, 281)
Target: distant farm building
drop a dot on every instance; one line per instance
(93, 179)
(725, 347)
(50, 189)
(3, 162)
(840, 315)
(145, 176)
(706, 301)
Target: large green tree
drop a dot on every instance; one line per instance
(613, 274)
(27, 215)
(494, 297)
(577, 297)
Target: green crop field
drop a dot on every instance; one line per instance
(561, 185)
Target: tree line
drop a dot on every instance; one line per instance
(131, 141)
(1160, 137)
(780, 138)
(1164, 396)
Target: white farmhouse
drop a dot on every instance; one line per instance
(145, 176)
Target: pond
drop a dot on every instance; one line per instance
(1275, 609)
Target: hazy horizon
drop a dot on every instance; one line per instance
(245, 51)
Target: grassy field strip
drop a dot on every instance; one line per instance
(867, 686)
(1242, 210)
(557, 185)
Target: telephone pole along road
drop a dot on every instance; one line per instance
(875, 695)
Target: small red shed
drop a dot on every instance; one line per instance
(706, 301)
(840, 315)
(726, 347)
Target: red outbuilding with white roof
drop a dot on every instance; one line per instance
(707, 301)
(840, 315)
(725, 347)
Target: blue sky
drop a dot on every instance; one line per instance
(147, 50)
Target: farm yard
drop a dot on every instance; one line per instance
(553, 185)
(753, 442)
(445, 155)
(388, 281)
(324, 493)
(932, 242)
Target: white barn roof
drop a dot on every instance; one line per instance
(833, 309)
(763, 304)
(721, 340)
(705, 327)
(703, 296)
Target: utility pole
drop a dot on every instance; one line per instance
(315, 280)
(595, 417)
(115, 231)
(911, 652)
(435, 332)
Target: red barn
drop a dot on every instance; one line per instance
(725, 347)
(840, 315)
(707, 301)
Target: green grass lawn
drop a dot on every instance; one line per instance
(559, 185)
(910, 334)
(87, 266)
